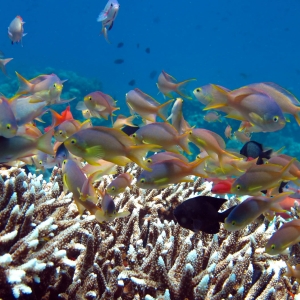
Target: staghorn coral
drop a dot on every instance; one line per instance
(47, 251)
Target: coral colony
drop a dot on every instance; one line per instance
(49, 251)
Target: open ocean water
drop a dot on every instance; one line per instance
(228, 42)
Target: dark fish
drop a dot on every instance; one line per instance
(156, 20)
(131, 82)
(147, 50)
(282, 185)
(254, 149)
(153, 74)
(244, 75)
(129, 130)
(201, 214)
(62, 153)
(120, 45)
(119, 61)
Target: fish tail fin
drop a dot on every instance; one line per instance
(80, 207)
(222, 157)
(197, 167)
(285, 169)
(290, 270)
(100, 216)
(3, 62)
(182, 90)
(220, 98)
(297, 115)
(267, 154)
(104, 31)
(184, 142)
(113, 115)
(163, 109)
(44, 142)
(24, 85)
(224, 214)
(137, 154)
(56, 118)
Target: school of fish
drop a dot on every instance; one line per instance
(156, 136)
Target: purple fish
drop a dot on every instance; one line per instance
(108, 16)
(16, 30)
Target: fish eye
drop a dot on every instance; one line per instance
(142, 180)
(134, 135)
(111, 5)
(8, 126)
(190, 132)
(233, 223)
(54, 84)
(272, 246)
(40, 162)
(238, 187)
(198, 90)
(90, 98)
(149, 160)
(65, 161)
(275, 119)
(60, 132)
(73, 141)
(113, 188)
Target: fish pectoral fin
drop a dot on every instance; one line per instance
(92, 162)
(214, 106)
(257, 118)
(122, 214)
(36, 99)
(161, 181)
(254, 188)
(99, 107)
(186, 179)
(197, 225)
(65, 183)
(234, 116)
(95, 152)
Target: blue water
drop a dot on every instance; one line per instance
(231, 43)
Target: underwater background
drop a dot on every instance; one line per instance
(230, 43)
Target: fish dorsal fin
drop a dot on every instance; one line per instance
(239, 94)
(215, 202)
(122, 137)
(168, 77)
(146, 97)
(110, 101)
(218, 138)
(282, 91)
(294, 223)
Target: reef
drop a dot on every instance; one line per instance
(49, 251)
